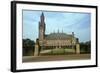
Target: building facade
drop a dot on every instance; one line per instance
(55, 40)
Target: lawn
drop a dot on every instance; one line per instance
(57, 51)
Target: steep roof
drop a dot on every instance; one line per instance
(56, 36)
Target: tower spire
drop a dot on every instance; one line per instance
(58, 30)
(42, 14)
(62, 30)
(42, 18)
(42, 27)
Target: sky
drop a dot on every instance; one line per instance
(67, 22)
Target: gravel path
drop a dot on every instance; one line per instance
(56, 57)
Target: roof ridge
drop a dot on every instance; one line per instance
(58, 36)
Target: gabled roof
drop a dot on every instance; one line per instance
(55, 36)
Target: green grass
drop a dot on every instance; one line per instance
(59, 51)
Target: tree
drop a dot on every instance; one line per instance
(28, 47)
(85, 47)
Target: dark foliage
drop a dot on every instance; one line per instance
(28, 47)
(85, 47)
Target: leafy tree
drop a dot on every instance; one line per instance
(85, 47)
(28, 47)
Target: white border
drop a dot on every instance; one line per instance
(36, 65)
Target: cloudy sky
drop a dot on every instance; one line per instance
(68, 22)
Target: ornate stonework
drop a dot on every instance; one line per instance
(56, 40)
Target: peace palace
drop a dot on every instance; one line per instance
(54, 40)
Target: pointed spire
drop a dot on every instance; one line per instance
(42, 14)
(58, 30)
(42, 18)
(62, 30)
